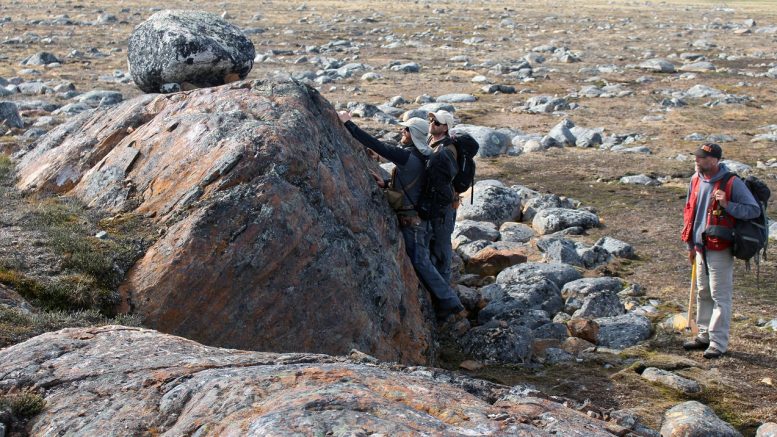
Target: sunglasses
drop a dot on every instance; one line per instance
(436, 123)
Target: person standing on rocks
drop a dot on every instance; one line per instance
(407, 178)
(710, 211)
(440, 248)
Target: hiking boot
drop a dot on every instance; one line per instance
(712, 352)
(696, 344)
(454, 313)
(443, 313)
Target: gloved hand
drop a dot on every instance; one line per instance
(692, 256)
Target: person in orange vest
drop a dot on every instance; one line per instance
(714, 203)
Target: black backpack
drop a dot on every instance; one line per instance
(466, 149)
(437, 190)
(751, 237)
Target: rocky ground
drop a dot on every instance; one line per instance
(642, 84)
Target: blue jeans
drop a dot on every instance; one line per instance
(440, 248)
(417, 247)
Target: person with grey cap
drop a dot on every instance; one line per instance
(408, 178)
(440, 247)
(714, 202)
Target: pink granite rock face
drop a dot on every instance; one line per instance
(116, 380)
(275, 237)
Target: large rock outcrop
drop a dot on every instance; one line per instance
(275, 237)
(187, 47)
(129, 381)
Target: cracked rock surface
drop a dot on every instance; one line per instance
(116, 380)
(273, 234)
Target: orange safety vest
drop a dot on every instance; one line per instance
(716, 215)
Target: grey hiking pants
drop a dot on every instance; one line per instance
(714, 297)
(441, 248)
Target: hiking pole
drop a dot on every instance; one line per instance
(692, 326)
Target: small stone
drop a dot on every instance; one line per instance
(471, 365)
(586, 329)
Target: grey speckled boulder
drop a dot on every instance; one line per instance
(640, 179)
(516, 232)
(694, 419)
(560, 250)
(601, 304)
(672, 380)
(495, 342)
(533, 294)
(474, 230)
(559, 274)
(658, 65)
(492, 142)
(9, 115)
(623, 331)
(616, 247)
(585, 286)
(198, 48)
(491, 203)
(552, 220)
(539, 202)
(40, 58)
(768, 429)
(592, 256)
(562, 134)
(456, 98)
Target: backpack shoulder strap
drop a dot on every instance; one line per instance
(727, 182)
(453, 150)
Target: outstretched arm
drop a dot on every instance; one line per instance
(397, 155)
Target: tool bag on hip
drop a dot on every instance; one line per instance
(396, 197)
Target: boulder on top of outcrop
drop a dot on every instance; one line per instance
(267, 233)
(187, 47)
(140, 380)
(491, 203)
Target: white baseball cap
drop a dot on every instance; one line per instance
(444, 117)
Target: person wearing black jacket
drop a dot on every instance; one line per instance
(407, 178)
(440, 247)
